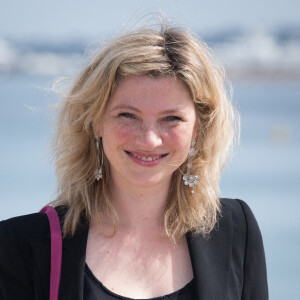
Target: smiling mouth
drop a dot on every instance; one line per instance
(146, 158)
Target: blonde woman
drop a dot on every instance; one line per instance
(140, 143)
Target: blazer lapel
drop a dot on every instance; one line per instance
(73, 266)
(41, 253)
(211, 260)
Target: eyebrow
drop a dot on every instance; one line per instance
(125, 106)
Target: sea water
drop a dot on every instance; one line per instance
(264, 170)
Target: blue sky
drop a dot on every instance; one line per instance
(61, 19)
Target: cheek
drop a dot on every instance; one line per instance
(122, 132)
(179, 138)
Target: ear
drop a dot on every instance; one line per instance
(98, 129)
(196, 127)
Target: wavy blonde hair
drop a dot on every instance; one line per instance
(167, 51)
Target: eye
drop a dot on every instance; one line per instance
(127, 115)
(172, 119)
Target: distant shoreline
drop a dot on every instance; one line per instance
(255, 73)
(263, 73)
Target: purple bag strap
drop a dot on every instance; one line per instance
(56, 250)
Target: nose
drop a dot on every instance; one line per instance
(149, 137)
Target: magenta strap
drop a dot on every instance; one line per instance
(56, 250)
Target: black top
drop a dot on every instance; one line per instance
(94, 290)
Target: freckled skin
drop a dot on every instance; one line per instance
(145, 117)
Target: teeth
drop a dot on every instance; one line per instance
(146, 158)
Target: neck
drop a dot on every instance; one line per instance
(140, 207)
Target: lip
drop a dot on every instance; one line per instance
(146, 159)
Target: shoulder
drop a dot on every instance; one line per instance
(23, 225)
(22, 228)
(35, 225)
(236, 206)
(244, 228)
(240, 213)
(235, 223)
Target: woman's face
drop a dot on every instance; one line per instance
(147, 130)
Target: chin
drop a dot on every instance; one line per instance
(143, 181)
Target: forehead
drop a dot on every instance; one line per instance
(145, 91)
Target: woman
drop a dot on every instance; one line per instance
(141, 140)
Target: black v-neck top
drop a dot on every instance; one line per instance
(94, 290)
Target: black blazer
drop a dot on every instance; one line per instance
(230, 265)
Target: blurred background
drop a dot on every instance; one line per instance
(258, 42)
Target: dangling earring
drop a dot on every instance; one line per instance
(98, 174)
(191, 180)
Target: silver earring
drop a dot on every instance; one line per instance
(191, 180)
(98, 174)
